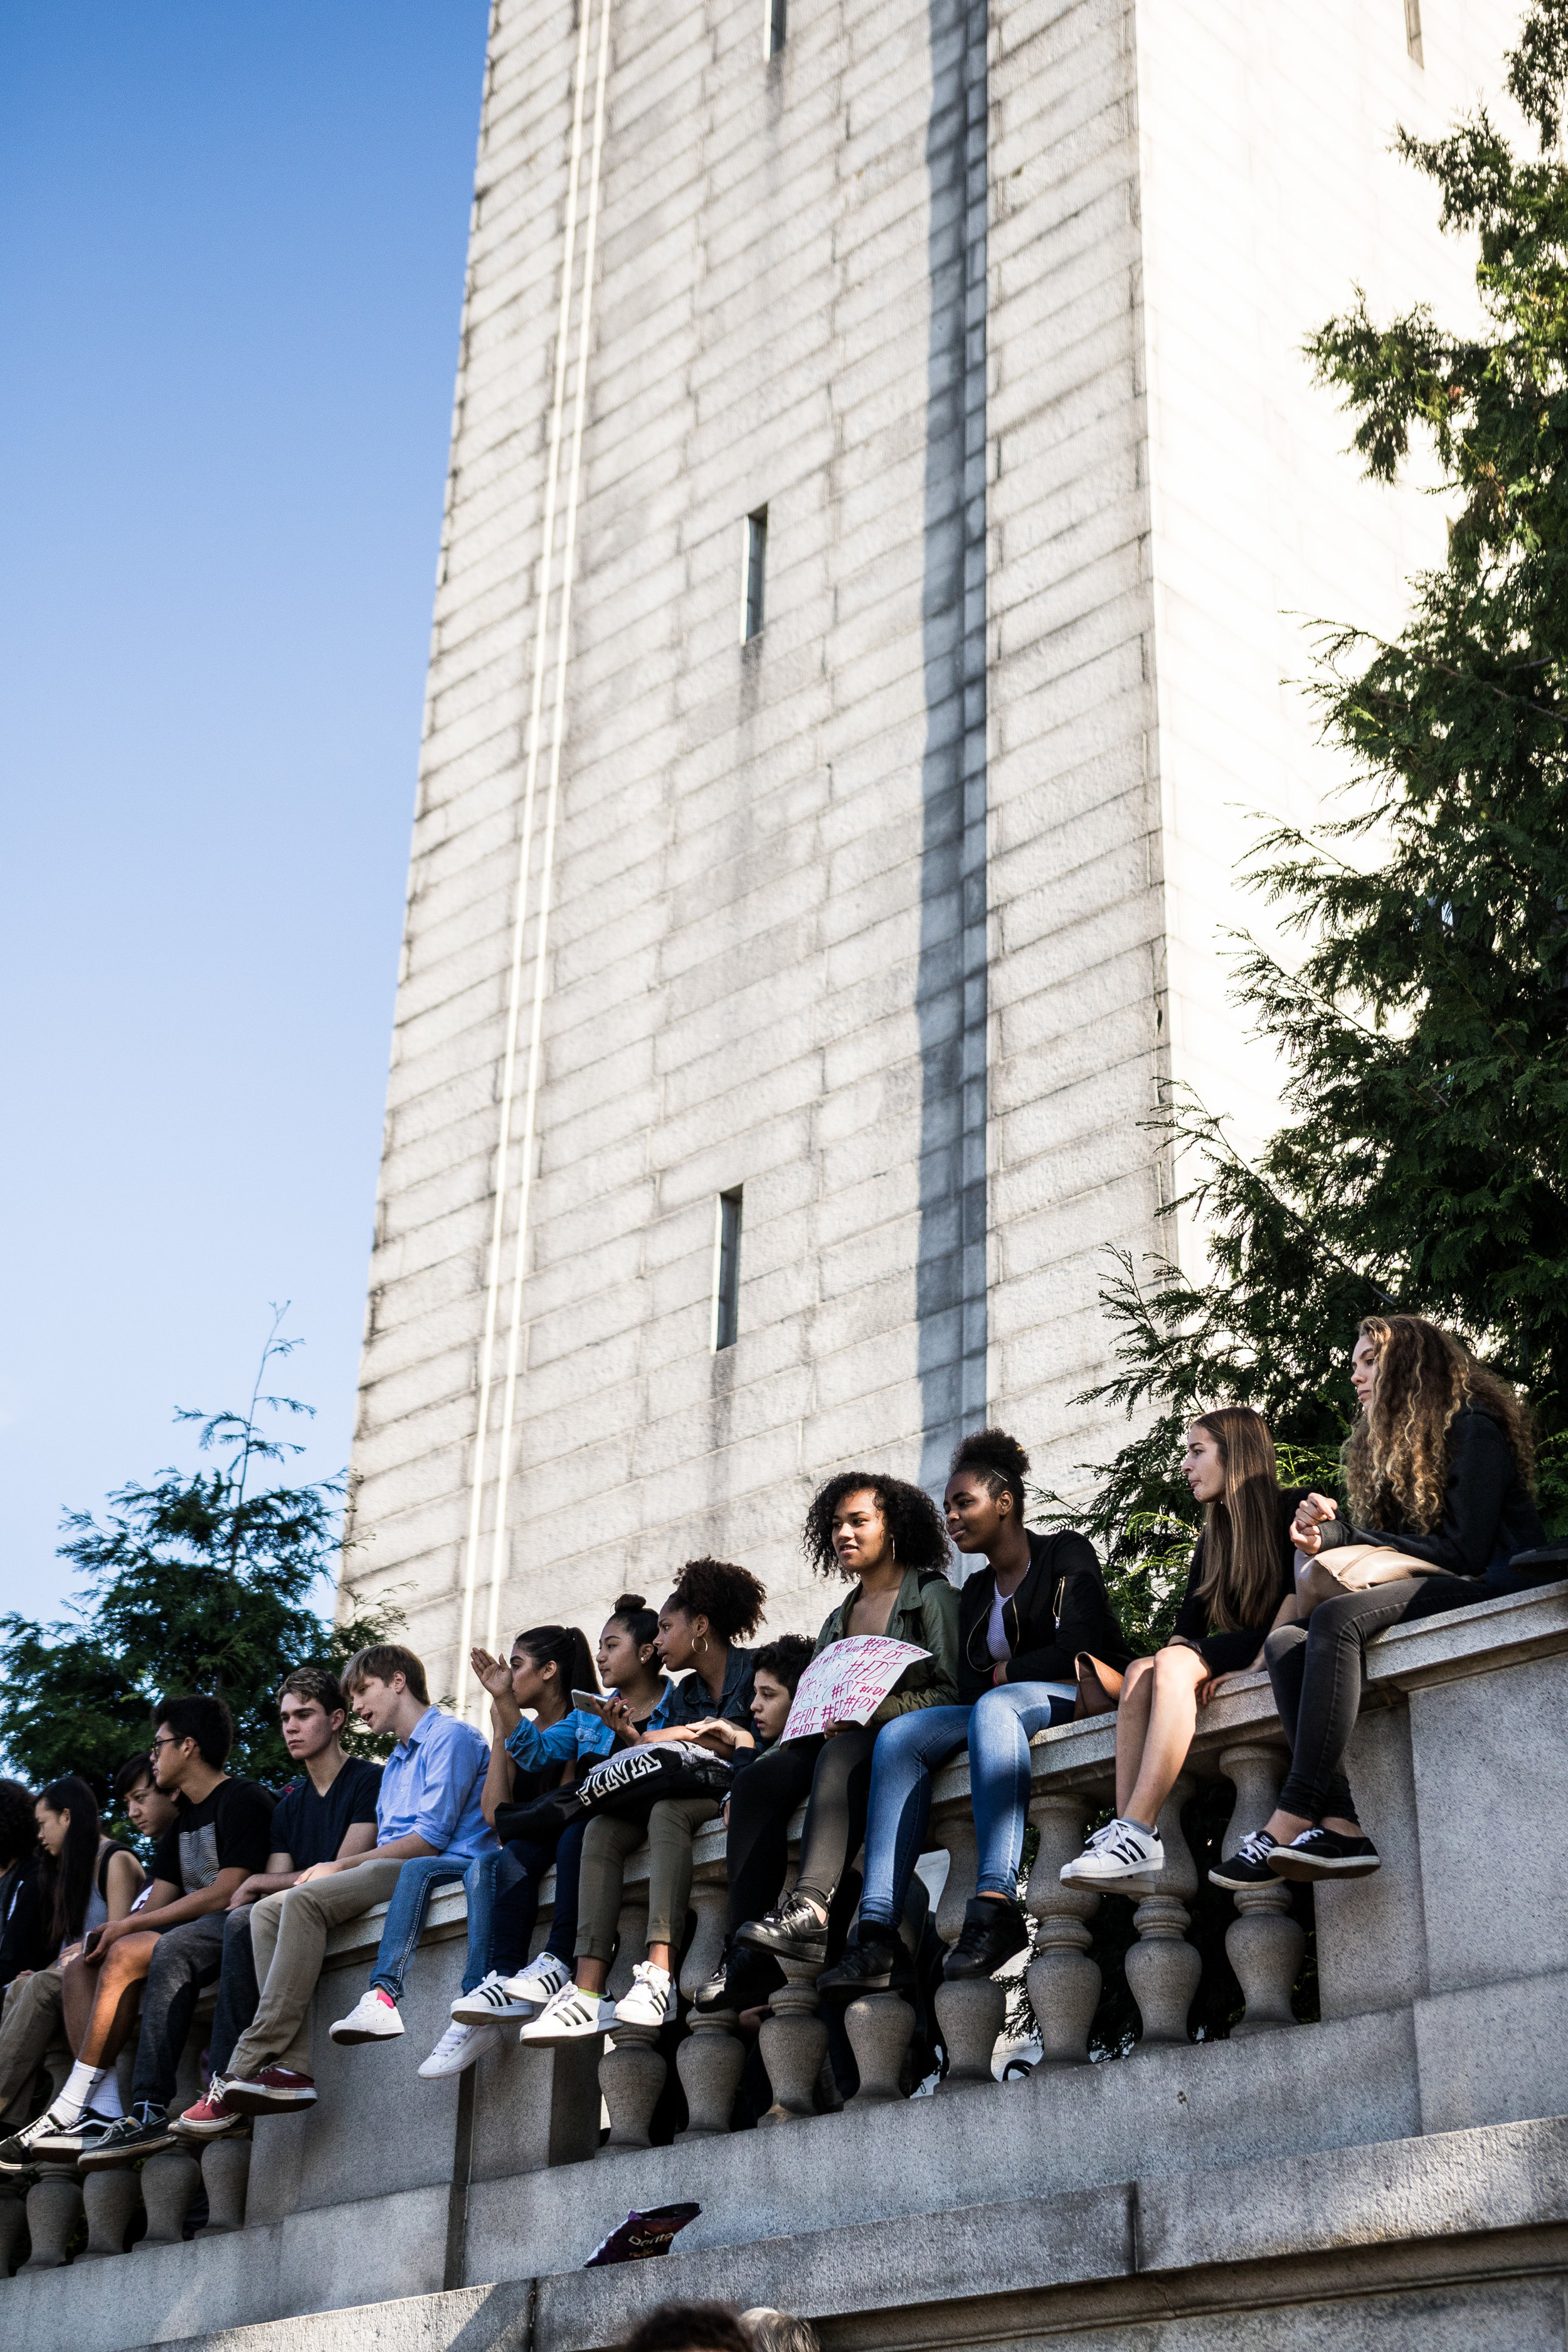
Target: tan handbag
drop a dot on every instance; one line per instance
(1099, 1687)
(1354, 1568)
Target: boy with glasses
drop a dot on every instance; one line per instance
(169, 1950)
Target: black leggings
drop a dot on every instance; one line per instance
(1316, 1670)
(838, 1774)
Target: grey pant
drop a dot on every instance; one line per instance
(607, 1847)
(32, 2021)
(289, 1938)
(186, 1958)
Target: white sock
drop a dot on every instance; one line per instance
(77, 2095)
(106, 2097)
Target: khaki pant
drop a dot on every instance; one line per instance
(289, 1938)
(32, 2021)
(606, 1846)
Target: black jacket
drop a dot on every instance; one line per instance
(1488, 1513)
(1060, 1608)
(25, 1941)
(1232, 1653)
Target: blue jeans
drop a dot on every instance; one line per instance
(503, 1891)
(997, 1729)
(405, 1913)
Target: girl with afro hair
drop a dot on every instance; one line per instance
(886, 1539)
(1035, 1607)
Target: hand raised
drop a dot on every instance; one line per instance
(493, 1674)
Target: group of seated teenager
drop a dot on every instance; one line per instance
(673, 1726)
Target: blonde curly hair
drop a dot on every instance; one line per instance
(1396, 1457)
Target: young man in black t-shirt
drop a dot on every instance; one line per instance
(326, 1813)
(173, 1947)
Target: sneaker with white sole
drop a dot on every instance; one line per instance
(1252, 1865)
(571, 2015)
(373, 2018)
(651, 1998)
(539, 1982)
(1123, 1849)
(492, 2004)
(20, 2152)
(460, 2046)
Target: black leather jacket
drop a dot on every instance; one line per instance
(1060, 1608)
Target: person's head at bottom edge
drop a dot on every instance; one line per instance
(688, 2328)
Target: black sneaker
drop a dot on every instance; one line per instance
(874, 1962)
(68, 2140)
(1326, 1853)
(791, 1928)
(20, 2153)
(1252, 1865)
(991, 1932)
(142, 2132)
(743, 1978)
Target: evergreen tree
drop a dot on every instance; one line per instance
(1425, 1028)
(197, 1583)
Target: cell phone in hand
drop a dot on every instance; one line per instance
(594, 1700)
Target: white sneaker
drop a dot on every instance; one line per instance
(651, 1998)
(571, 2015)
(490, 2003)
(459, 2047)
(539, 1982)
(1121, 1850)
(373, 2018)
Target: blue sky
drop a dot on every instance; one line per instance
(231, 275)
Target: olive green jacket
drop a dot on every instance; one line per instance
(926, 1613)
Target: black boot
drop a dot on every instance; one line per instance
(791, 1928)
(991, 1932)
(742, 1979)
(876, 1961)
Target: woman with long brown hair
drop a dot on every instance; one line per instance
(1241, 1583)
(1438, 1468)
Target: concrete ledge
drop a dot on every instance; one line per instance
(1457, 2239)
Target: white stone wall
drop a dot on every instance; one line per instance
(742, 838)
(736, 919)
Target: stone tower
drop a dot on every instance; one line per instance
(886, 494)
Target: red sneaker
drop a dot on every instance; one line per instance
(271, 2090)
(211, 2117)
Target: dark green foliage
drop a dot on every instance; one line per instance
(1424, 1031)
(195, 1582)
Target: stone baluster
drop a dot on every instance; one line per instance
(13, 2222)
(631, 2071)
(879, 2026)
(794, 2042)
(226, 2174)
(970, 2014)
(111, 2199)
(1063, 1982)
(1162, 1969)
(169, 2182)
(710, 2059)
(1264, 1943)
(54, 2209)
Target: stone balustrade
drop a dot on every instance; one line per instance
(1420, 1971)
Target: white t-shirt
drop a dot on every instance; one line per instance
(997, 1639)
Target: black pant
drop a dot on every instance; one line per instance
(187, 1958)
(523, 1865)
(238, 1993)
(836, 1775)
(1316, 1670)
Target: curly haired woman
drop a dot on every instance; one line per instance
(887, 1539)
(1439, 1466)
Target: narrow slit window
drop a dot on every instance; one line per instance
(1413, 31)
(774, 20)
(727, 1271)
(754, 566)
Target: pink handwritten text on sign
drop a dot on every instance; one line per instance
(848, 1683)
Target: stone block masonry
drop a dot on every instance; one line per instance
(895, 917)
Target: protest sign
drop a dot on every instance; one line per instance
(848, 1683)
